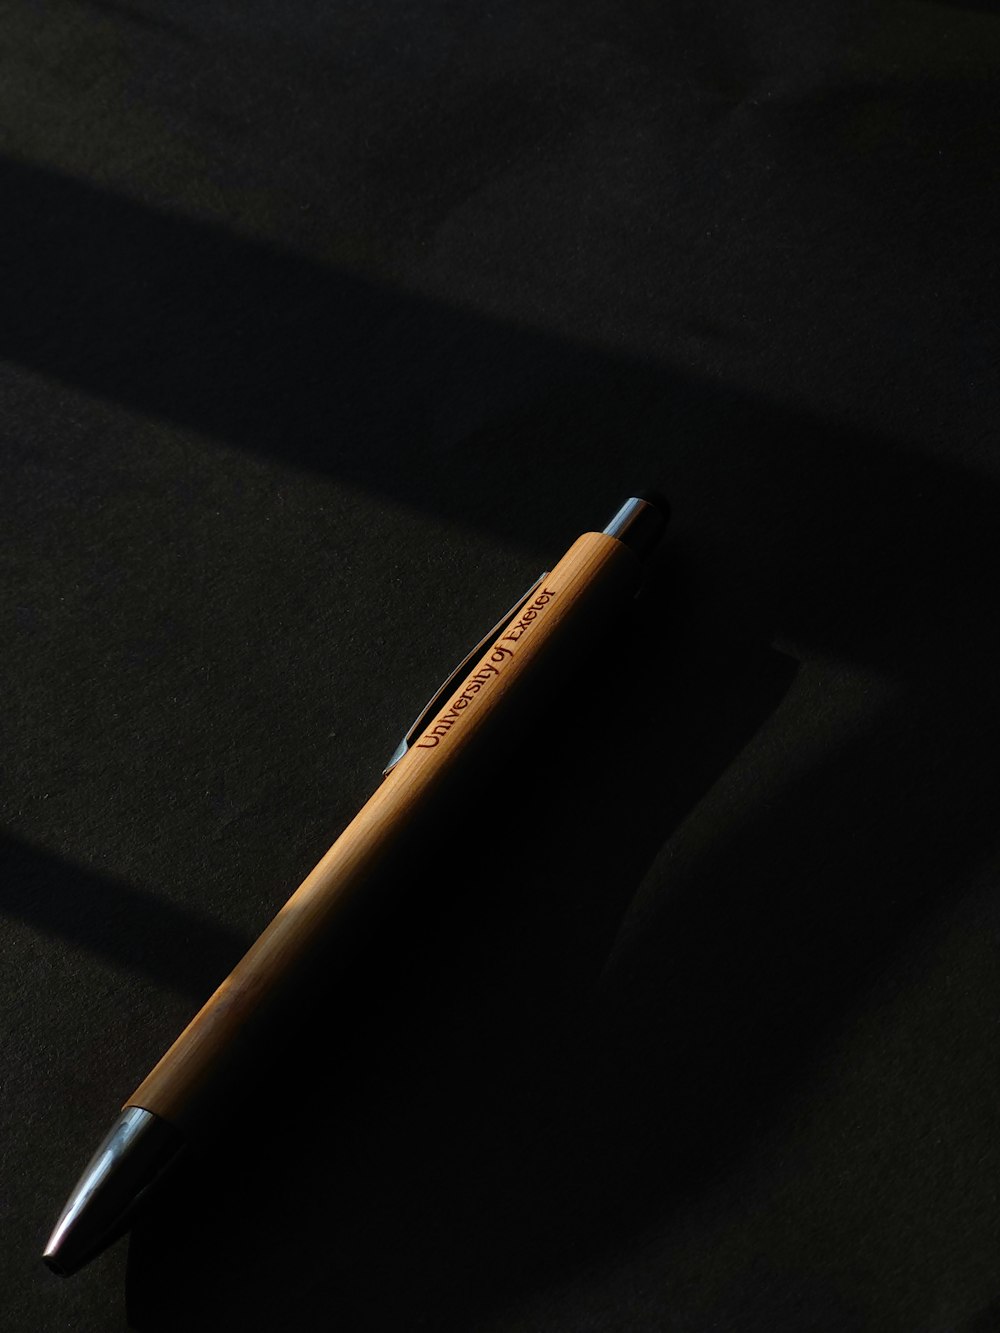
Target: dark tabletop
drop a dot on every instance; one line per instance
(323, 329)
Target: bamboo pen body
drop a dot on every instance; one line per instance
(432, 775)
(595, 577)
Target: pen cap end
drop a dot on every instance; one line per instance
(640, 523)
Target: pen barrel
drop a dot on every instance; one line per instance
(577, 600)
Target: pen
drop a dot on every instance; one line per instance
(577, 599)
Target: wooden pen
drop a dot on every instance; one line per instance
(172, 1105)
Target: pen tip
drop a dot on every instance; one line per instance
(51, 1262)
(136, 1151)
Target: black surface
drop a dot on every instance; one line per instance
(324, 329)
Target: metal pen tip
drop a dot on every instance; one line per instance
(134, 1154)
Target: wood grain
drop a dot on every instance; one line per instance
(576, 600)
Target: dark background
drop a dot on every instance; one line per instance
(324, 327)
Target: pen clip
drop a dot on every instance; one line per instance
(443, 692)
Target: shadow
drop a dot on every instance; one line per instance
(521, 1079)
(986, 1320)
(183, 951)
(129, 14)
(444, 1039)
(991, 7)
(273, 353)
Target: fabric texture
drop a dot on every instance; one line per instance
(325, 329)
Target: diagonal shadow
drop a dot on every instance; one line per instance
(153, 23)
(455, 1008)
(452, 412)
(274, 353)
(494, 1136)
(179, 949)
(501, 1120)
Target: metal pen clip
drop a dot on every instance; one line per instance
(442, 694)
